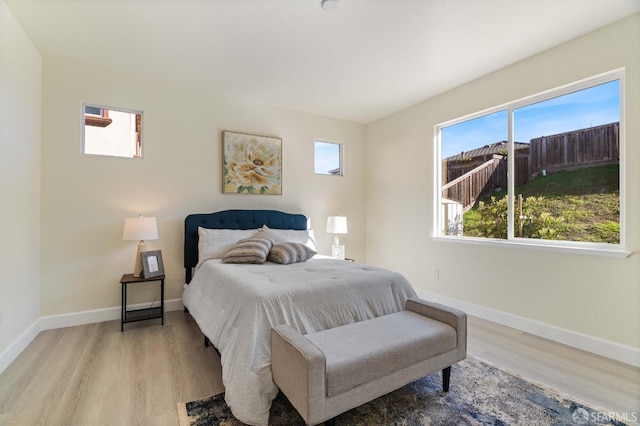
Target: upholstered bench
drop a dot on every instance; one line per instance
(326, 373)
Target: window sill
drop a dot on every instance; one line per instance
(545, 245)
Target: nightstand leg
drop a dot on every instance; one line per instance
(124, 302)
(162, 301)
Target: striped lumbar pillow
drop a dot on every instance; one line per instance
(249, 250)
(290, 253)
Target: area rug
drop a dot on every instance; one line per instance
(479, 394)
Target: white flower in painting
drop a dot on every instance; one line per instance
(253, 165)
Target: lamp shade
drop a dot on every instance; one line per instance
(140, 228)
(337, 225)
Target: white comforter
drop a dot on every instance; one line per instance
(236, 306)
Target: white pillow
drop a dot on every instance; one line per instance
(215, 243)
(281, 236)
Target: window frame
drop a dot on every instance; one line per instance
(605, 249)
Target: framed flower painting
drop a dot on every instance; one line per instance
(252, 164)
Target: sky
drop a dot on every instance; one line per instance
(326, 157)
(578, 110)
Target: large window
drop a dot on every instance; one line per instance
(543, 170)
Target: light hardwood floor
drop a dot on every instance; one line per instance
(96, 375)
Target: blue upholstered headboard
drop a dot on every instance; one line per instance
(233, 219)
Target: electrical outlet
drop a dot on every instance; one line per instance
(436, 273)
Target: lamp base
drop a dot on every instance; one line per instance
(337, 251)
(137, 269)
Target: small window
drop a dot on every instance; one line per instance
(91, 110)
(112, 132)
(328, 158)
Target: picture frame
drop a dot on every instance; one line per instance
(252, 164)
(337, 252)
(152, 265)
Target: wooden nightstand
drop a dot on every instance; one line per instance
(140, 314)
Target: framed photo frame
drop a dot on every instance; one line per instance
(337, 252)
(252, 164)
(152, 265)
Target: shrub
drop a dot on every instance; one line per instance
(489, 219)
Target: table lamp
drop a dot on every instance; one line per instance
(140, 228)
(337, 225)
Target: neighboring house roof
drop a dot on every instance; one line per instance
(490, 149)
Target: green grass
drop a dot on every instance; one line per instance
(579, 205)
(590, 180)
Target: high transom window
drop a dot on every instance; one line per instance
(328, 158)
(115, 132)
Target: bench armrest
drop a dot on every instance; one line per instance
(446, 314)
(300, 369)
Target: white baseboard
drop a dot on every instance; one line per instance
(51, 322)
(606, 348)
(17, 346)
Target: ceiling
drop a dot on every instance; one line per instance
(361, 62)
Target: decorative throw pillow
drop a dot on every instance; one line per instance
(289, 236)
(214, 243)
(249, 250)
(290, 253)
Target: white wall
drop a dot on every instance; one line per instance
(20, 102)
(86, 198)
(591, 295)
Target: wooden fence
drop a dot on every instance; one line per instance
(575, 149)
(571, 150)
(480, 181)
(485, 179)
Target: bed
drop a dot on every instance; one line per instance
(236, 305)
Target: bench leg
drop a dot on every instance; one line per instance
(446, 375)
(330, 422)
